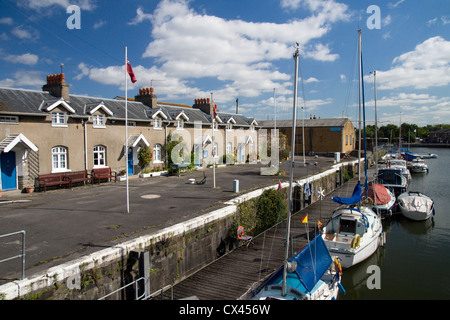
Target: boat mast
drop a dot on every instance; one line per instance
(359, 121)
(291, 176)
(376, 123)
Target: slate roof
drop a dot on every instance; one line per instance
(30, 102)
(33, 102)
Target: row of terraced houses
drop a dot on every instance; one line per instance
(52, 131)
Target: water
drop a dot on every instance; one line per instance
(414, 264)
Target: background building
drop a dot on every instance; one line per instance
(321, 135)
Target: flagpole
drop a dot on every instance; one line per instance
(126, 130)
(213, 153)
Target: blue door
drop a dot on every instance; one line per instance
(8, 167)
(130, 163)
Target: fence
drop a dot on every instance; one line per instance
(19, 255)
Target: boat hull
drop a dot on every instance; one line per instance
(416, 206)
(350, 257)
(353, 235)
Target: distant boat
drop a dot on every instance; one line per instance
(409, 156)
(380, 199)
(392, 179)
(402, 165)
(428, 156)
(416, 205)
(418, 165)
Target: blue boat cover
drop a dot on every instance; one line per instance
(312, 262)
(355, 198)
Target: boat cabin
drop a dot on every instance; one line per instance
(345, 225)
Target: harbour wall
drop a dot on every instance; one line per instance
(172, 254)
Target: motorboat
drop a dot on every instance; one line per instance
(428, 156)
(301, 282)
(392, 179)
(402, 165)
(354, 232)
(416, 205)
(418, 165)
(380, 199)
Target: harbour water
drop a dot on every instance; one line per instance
(414, 263)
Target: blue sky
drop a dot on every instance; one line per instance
(240, 49)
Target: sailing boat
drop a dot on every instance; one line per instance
(354, 231)
(311, 273)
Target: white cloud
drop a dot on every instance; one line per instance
(41, 4)
(240, 54)
(27, 58)
(322, 53)
(428, 65)
(24, 78)
(99, 24)
(23, 33)
(6, 20)
(140, 17)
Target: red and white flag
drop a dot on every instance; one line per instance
(130, 72)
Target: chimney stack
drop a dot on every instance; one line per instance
(147, 96)
(57, 86)
(205, 105)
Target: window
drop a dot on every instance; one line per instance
(215, 126)
(346, 140)
(59, 159)
(180, 124)
(252, 127)
(229, 148)
(99, 121)
(59, 119)
(9, 119)
(229, 126)
(157, 124)
(99, 156)
(157, 153)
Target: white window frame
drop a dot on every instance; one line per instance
(180, 124)
(157, 124)
(59, 159)
(216, 126)
(99, 121)
(229, 147)
(100, 151)
(157, 153)
(59, 119)
(229, 126)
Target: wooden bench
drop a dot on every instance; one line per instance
(77, 176)
(102, 174)
(52, 179)
(179, 166)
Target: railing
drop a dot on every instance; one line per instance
(136, 289)
(19, 255)
(161, 291)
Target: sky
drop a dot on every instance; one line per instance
(189, 49)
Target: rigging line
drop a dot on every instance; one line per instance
(350, 88)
